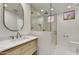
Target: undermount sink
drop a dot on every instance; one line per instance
(12, 41)
(19, 39)
(26, 37)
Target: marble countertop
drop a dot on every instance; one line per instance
(7, 44)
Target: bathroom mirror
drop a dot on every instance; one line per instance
(13, 16)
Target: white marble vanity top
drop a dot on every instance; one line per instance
(7, 44)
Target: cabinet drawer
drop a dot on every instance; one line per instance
(30, 51)
(29, 46)
(32, 44)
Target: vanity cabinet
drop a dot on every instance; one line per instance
(27, 48)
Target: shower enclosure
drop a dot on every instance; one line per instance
(44, 23)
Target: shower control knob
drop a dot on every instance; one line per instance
(66, 36)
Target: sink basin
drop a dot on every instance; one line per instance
(22, 38)
(26, 37)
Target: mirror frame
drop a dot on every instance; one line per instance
(4, 19)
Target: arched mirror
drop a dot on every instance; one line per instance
(13, 16)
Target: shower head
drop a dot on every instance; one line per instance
(46, 13)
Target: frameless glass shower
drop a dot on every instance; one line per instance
(42, 17)
(44, 23)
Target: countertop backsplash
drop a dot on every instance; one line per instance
(4, 38)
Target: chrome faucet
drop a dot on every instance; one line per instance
(18, 35)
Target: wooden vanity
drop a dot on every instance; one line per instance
(27, 48)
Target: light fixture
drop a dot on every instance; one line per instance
(69, 7)
(51, 9)
(42, 10)
(5, 5)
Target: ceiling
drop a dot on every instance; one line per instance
(58, 7)
(36, 7)
(62, 7)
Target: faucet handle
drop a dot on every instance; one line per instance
(12, 37)
(18, 35)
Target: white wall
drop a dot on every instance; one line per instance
(27, 18)
(67, 27)
(27, 13)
